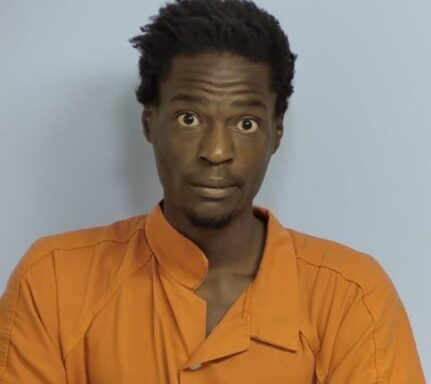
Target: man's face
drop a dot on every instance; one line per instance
(214, 126)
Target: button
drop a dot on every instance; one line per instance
(195, 367)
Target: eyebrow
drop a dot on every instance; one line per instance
(188, 97)
(250, 103)
(203, 100)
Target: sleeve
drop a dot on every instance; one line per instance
(30, 349)
(374, 342)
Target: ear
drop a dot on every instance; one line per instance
(147, 118)
(278, 133)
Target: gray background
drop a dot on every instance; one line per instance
(354, 165)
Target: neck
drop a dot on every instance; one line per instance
(235, 248)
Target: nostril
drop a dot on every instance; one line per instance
(216, 155)
(215, 160)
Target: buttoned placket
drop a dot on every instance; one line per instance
(229, 337)
(184, 267)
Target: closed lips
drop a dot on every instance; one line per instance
(214, 192)
(214, 183)
(214, 186)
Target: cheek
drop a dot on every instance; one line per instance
(172, 161)
(256, 161)
(259, 169)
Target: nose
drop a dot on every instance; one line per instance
(217, 145)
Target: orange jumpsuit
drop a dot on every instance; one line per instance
(116, 304)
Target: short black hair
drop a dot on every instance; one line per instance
(199, 26)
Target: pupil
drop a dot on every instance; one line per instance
(188, 118)
(246, 124)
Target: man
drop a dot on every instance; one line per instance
(207, 287)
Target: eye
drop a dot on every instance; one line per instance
(248, 125)
(187, 119)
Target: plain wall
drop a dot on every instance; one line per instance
(354, 165)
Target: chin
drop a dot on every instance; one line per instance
(209, 216)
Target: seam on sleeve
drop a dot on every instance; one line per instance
(363, 300)
(57, 305)
(53, 249)
(9, 329)
(101, 304)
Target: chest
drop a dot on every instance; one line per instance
(147, 332)
(220, 295)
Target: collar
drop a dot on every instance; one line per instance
(180, 258)
(274, 299)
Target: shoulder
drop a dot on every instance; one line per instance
(352, 314)
(83, 243)
(319, 257)
(86, 263)
(335, 279)
(73, 273)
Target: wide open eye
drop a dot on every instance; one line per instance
(248, 125)
(188, 119)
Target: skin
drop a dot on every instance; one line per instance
(215, 119)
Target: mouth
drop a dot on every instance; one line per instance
(215, 193)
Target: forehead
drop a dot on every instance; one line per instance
(216, 74)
